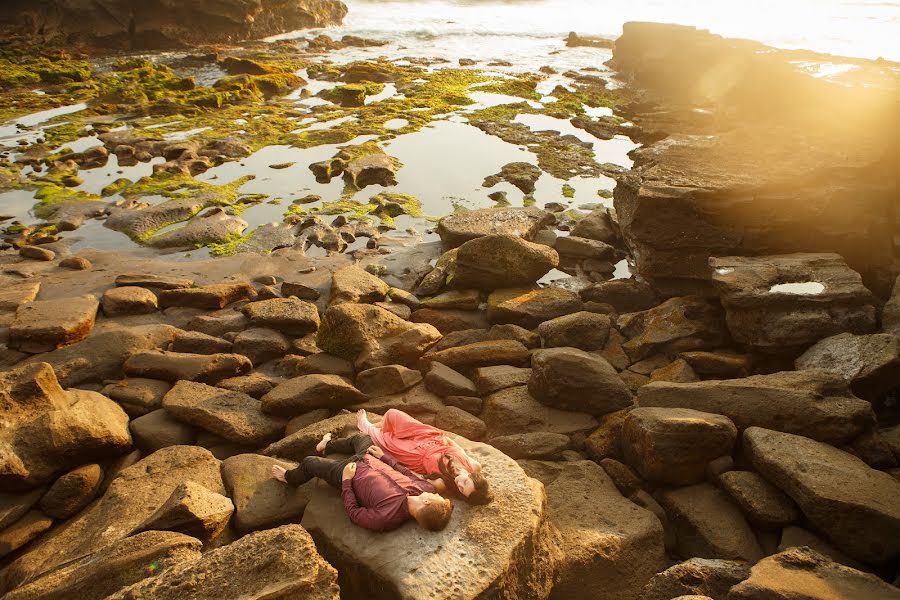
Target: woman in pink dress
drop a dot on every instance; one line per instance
(428, 451)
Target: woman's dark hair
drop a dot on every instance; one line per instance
(450, 468)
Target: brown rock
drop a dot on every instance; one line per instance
(30, 527)
(260, 501)
(12, 295)
(481, 354)
(193, 510)
(153, 281)
(697, 576)
(676, 325)
(606, 440)
(673, 445)
(44, 325)
(72, 492)
(209, 296)
(387, 380)
(281, 561)
(801, 572)
(524, 222)
(501, 261)
(853, 504)
(444, 381)
(37, 253)
(514, 410)
(231, 415)
(288, 315)
(493, 379)
(448, 320)
(530, 308)
(353, 284)
(261, 345)
(76, 263)
(572, 379)
(158, 429)
(307, 392)
(194, 342)
(812, 403)
(538, 445)
(764, 504)
(175, 366)
(718, 365)
(138, 396)
(458, 421)
(255, 385)
(708, 525)
(129, 300)
(583, 330)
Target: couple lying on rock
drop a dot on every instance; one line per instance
(395, 472)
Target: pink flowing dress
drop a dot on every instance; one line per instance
(413, 443)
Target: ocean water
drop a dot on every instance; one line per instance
(515, 29)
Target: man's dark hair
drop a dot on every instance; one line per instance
(434, 516)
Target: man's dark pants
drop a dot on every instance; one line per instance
(330, 470)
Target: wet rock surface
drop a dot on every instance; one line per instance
(523, 222)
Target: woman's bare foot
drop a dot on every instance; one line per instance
(278, 473)
(362, 421)
(320, 447)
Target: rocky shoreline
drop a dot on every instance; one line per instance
(722, 425)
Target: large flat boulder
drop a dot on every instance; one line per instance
(302, 443)
(705, 577)
(45, 325)
(854, 505)
(610, 546)
(776, 165)
(231, 415)
(208, 296)
(811, 403)
(529, 308)
(135, 494)
(804, 573)
(502, 550)
(266, 565)
(778, 302)
(459, 228)
(309, 392)
(353, 284)
(288, 315)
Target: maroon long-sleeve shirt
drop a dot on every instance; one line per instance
(376, 496)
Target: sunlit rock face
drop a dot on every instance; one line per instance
(170, 23)
(747, 152)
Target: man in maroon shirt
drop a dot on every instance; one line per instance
(378, 492)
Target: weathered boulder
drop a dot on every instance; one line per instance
(255, 385)
(46, 430)
(27, 529)
(676, 325)
(812, 403)
(260, 501)
(230, 415)
(854, 505)
(459, 299)
(481, 354)
(697, 576)
(302, 443)
(444, 381)
(498, 261)
(153, 281)
(214, 226)
(606, 440)
(529, 308)
(764, 504)
(271, 564)
(308, 392)
(514, 410)
(457, 229)
(321, 363)
(45, 325)
(804, 573)
(573, 248)
(774, 302)
(128, 300)
(288, 315)
(600, 225)
(175, 366)
(460, 422)
(100, 356)
(208, 296)
(132, 496)
(14, 294)
(610, 546)
(387, 380)
(137, 395)
(261, 345)
(502, 550)
(112, 568)
(673, 445)
(573, 379)
(718, 365)
(376, 168)
(193, 510)
(448, 320)
(870, 363)
(219, 323)
(353, 284)
(890, 314)
(14, 506)
(708, 525)
(584, 330)
(373, 336)
(158, 429)
(72, 492)
(493, 379)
